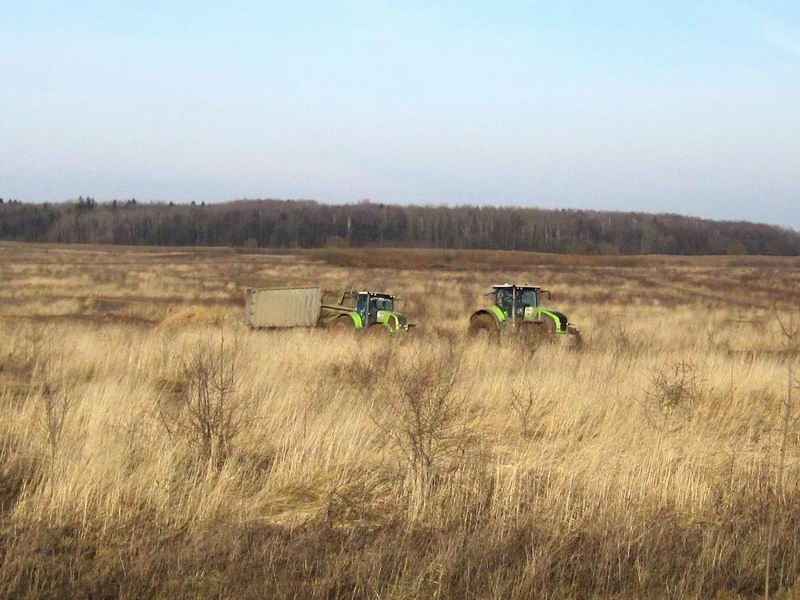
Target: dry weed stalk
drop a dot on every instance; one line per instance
(56, 402)
(523, 404)
(35, 346)
(56, 399)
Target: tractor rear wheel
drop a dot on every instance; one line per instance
(482, 325)
(343, 324)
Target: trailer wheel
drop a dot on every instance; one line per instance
(343, 324)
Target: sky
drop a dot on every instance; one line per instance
(687, 107)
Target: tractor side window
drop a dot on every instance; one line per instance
(528, 298)
(383, 304)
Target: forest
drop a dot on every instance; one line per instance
(311, 224)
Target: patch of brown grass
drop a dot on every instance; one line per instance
(428, 466)
(190, 316)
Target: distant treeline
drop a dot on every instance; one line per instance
(307, 224)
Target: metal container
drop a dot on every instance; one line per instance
(282, 307)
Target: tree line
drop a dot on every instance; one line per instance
(309, 224)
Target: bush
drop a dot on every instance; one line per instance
(427, 417)
(213, 405)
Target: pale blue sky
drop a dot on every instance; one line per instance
(690, 107)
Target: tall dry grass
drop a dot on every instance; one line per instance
(198, 458)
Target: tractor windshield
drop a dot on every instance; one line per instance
(382, 303)
(518, 298)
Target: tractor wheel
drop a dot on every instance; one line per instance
(377, 329)
(482, 325)
(573, 338)
(537, 333)
(343, 324)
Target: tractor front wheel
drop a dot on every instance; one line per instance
(573, 338)
(537, 332)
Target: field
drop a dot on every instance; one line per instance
(151, 445)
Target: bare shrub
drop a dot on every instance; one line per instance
(428, 418)
(213, 405)
(622, 341)
(672, 396)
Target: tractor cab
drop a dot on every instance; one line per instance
(368, 304)
(377, 308)
(517, 301)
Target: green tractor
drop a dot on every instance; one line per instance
(373, 312)
(517, 310)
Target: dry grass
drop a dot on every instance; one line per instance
(645, 465)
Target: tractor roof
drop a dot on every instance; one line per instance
(519, 285)
(382, 294)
